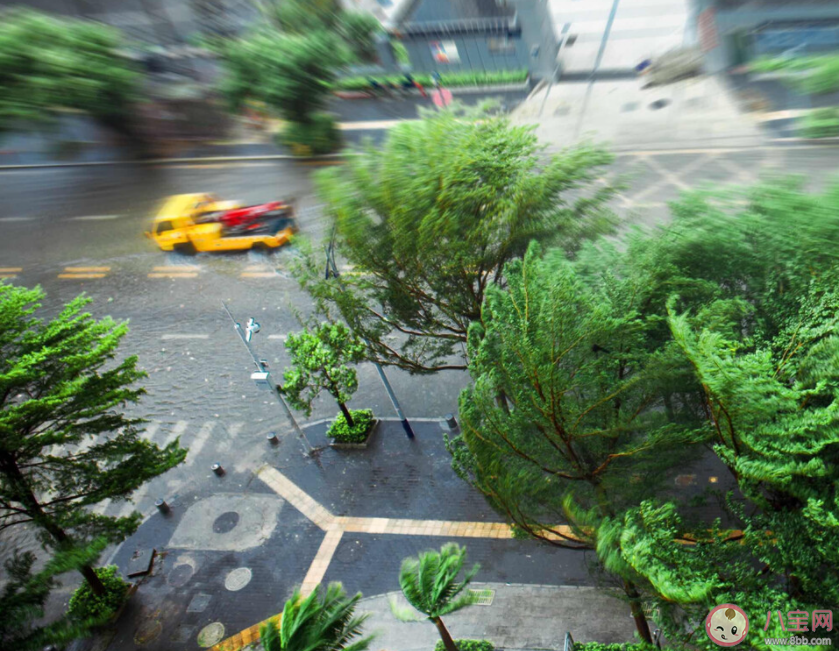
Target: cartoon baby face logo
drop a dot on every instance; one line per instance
(727, 625)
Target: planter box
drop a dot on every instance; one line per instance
(358, 446)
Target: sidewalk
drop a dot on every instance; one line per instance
(623, 115)
(234, 547)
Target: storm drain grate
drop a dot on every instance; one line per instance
(483, 597)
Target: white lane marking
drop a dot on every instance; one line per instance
(177, 430)
(99, 509)
(199, 441)
(15, 219)
(176, 336)
(283, 337)
(150, 431)
(234, 429)
(93, 218)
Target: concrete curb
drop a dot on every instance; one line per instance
(176, 161)
(457, 90)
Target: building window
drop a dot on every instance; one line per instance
(501, 45)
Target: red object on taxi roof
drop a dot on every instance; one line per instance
(241, 216)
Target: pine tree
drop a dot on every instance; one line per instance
(65, 445)
(25, 593)
(566, 411)
(430, 219)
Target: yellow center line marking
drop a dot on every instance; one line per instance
(182, 268)
(85, 269)
(185, 274)
(258, 274)
(4, 275)
(85, 275)
(10, 270)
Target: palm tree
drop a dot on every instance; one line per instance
(324, 620)
(430, 585)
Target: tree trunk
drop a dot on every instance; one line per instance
(637, 612)
(31, 503)
(448, 642)
(347, 414)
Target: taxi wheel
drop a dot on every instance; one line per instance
(188, 248)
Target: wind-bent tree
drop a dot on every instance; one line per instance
(325, 620)
(23, 598)
(65, 444)
(432, 217)
(567, 408)
(431, 585)
(320, 362)
(48, 64)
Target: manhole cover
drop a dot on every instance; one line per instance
(180, 575)
(238, 579)
(225, 522)
(199, 603)
(147, 632)
(659, 104)
(182, 634)
(211, 635)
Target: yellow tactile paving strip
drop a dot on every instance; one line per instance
(335, 527)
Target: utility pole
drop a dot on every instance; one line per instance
(262, 378)
(332, 270)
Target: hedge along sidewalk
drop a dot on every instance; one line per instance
(455, 90)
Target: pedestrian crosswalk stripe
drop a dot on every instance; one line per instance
(177, 430)
(198, 442)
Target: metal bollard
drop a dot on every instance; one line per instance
(162, 506)
(218, 469)
(272, 438)
(451, 421)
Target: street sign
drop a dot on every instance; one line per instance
(441, 97)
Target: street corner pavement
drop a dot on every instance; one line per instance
(511, 616)
(233, 547)
(228, 555)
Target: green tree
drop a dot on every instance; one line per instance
(48, 64)
(747, 296)
(64, 443)
(25, 593)
(325, 620)
(567, 408)
(430, 584)
(292, 73)
(320, 361)
(359, 30)
(430, 219)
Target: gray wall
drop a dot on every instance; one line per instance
(473, 50)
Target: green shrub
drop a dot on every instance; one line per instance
(452, 79)
(467, 645)
(84, 605)
(597, 646)
(821, 123)
(343, 433)
(318, 136)
(400, 53)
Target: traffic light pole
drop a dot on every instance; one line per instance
(409, 431)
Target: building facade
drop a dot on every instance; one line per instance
(473, 35)
(734, 32)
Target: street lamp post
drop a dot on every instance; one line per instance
(263, 378)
